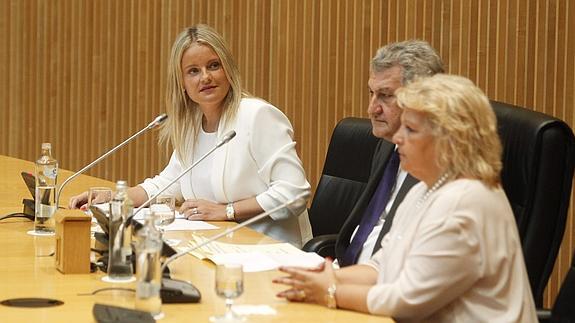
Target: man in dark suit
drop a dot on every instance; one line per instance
(393, 66)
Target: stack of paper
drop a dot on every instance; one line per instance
(255, 257)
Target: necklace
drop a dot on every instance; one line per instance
(433, 188)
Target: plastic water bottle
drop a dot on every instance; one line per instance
(45, 195)
(149, 277)
(120, 255)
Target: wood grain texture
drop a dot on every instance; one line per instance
(85, 75)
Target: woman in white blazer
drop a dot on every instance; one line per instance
(256, 171)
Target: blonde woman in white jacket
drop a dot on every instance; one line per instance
(258, 170)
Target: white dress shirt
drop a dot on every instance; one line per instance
(200, 179)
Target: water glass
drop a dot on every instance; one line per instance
(148, 269)
(44, 246)
(99, 195)
(163, 211)
(229, 285)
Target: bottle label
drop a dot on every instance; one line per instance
(115, 210)
(51, 171)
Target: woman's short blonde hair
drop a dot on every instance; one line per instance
(462, 122)
(182, 126)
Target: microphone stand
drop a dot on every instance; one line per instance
(298, 200)
(156, 122)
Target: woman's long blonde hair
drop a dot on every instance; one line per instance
(184, 117)
(463, 124)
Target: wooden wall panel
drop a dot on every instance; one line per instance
(85, 75)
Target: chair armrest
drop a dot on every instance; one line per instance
(323, 245)
(544, 315)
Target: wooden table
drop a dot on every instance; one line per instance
(23, 274)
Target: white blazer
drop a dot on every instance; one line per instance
(260, 161)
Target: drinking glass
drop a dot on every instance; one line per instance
(99, 195)
(163, 211)
(229, 285)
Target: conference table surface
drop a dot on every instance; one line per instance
(23, 274)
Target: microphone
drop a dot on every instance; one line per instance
(156, 122)
(296, 202)
(225, 139)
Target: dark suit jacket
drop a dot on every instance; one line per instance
(380, 159)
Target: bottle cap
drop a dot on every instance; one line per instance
(46, 145)
(121, 184)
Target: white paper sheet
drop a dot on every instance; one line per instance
(256, 257)
(186, 225)
(141, 214)
(259, 261)
(105, 207)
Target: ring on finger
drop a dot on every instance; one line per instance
(195, 210)
(301, 294)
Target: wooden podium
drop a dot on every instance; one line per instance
(72, 242)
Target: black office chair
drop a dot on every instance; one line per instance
(344, 176)
(538, 162)
(563, 310)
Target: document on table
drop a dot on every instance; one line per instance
(255, 257)
(105, 207)
(180, 224)
(144, 211)
(187, 225)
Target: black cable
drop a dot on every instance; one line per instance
(18, 215)
(107, 289)
(98, 251)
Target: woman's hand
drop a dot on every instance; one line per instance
(203, 210)
(79, 201)
(307, 285)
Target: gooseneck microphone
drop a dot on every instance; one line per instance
(225, 139)
(156, 122)
(295, 202)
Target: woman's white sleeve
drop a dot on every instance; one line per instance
(273, 148)
(153, 185)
